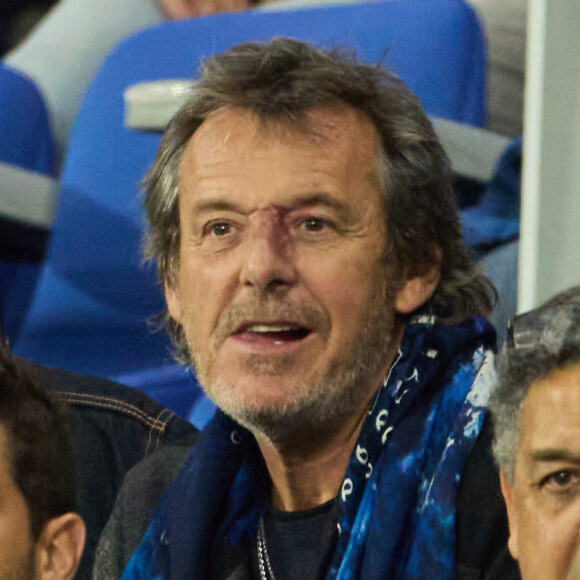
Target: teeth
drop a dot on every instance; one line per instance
(269, 328)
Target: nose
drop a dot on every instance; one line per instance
(269, 253)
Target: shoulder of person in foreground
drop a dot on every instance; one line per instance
(113, 428)
(481, 526)
(103, 400)
(139, 495)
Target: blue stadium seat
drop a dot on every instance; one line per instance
(27, 166)
(94, 299)
(25, 137)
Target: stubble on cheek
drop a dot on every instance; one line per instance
(23, 570)
(313, 397)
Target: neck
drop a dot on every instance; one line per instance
(310, 471)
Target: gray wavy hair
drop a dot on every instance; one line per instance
(281, 81)
(557, 345)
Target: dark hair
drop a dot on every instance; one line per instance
(39, 445)
(519, 367)
(282, 81)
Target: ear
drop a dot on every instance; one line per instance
(173, 300)
(418, 287)
(512, 513)
(60, 547)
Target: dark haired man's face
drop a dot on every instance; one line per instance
(282, 287)
(544, 500)
(17, 551)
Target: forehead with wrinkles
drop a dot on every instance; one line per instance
(336, 139)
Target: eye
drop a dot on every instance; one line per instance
(218, 229)
(561, 481)
(314, 224)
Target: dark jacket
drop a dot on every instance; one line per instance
(481, 526)
(113, 427)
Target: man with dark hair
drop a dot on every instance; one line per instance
(302, 217)
(113, 427)
(41, 536)
(536, 417)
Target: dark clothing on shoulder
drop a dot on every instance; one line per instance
(481, 528)
(133, 509)
(113, 427)
(504, 567)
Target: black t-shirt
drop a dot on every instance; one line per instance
(300, 544)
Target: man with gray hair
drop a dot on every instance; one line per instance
(536, 417)
(303, 221)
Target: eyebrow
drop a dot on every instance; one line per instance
(313, 199)
(215, 205)
(307, 200)
(556, 454)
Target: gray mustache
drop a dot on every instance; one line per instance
(258, 309)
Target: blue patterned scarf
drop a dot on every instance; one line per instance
(397, 498)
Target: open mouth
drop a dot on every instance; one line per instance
(274, 332)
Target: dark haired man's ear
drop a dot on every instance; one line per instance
(512, 513)
(60, 547)
(418, 287)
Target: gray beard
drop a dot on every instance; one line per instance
(333, 397)
(328, 397)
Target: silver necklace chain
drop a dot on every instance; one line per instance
(264, 565)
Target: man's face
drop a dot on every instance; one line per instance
(16, 543)
(544, 501)
(282, 287)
